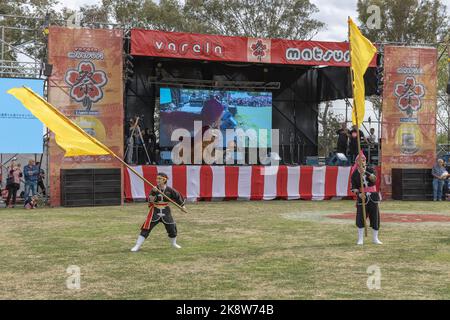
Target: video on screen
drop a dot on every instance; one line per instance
(216, 109)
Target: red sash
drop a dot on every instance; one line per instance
(147, 222)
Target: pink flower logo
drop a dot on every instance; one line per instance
(409, 94)
(259, 49)
(86, 83)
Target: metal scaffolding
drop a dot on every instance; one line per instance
(21, 59)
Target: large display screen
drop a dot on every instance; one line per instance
(22, 132)
(218, 109)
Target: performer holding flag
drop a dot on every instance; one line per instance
(76, 142)
(362, 52)
(370, 196)
(160, 212)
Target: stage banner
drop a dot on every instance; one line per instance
(86, 85)
(238, 49)
(409, 110)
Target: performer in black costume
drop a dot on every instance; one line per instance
(372, 198)
(160, 212)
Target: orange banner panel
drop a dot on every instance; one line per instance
(409, 111)
(86, 85)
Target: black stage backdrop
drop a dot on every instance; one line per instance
(295, 103)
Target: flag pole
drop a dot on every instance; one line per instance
(101, 145)
(355, 109)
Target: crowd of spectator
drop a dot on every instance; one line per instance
(32, 178)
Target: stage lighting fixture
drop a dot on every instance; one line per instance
(47, 69)
(341, 156)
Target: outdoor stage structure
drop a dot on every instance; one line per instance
(91, 84)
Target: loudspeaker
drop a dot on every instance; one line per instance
(412, 184)
(47, 69)
(90, 187)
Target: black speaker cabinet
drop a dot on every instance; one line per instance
(412, 184)
(90, 187)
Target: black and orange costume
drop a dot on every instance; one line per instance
(159, 211)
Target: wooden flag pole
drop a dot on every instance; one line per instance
(355, 109)
(101, 145)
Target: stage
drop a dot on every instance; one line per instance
(206, 183)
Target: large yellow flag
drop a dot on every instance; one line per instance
(361, 54)
(69, 136)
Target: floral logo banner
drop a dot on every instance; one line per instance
(87, 86)
(409, 95)
(408, 136)
(86, 83)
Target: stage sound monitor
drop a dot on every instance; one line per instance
(220, 109)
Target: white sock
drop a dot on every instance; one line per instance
(360, 236)
(375, 237)
(173, 241)
(140, 240)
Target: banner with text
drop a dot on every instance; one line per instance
(239, 49)
(409, 110)
(86, 85)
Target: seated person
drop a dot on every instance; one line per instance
(30, 203)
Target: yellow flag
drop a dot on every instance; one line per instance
(69, 136)
(361, 54)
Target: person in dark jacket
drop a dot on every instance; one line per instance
(13, 183)
(41, 179)
(31, 174)
(370, 197)
(160, 212)
(342, 142)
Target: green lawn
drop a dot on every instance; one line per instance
(231, 250)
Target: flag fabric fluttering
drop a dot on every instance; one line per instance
(361, 54)
(68, 135)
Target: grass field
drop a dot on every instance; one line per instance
(231, 250)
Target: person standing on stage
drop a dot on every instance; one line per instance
(160, 212)
(353, 142)
(371, 198)
(342, 142)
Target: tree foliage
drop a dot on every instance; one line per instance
(409, 21)
(414, 22)
(289, 19)
(329, 123)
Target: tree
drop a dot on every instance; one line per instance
(166, 15)
(406, 21)
(21, 32)
(413, 21)
(289, 19)
(253, 18)
(329, 123)
(443, 106)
